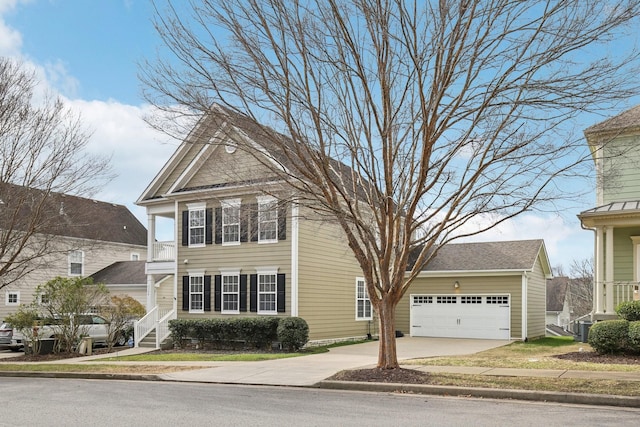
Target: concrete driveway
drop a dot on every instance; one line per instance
(308, 370)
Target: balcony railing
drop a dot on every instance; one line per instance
(164, 251)
(624, 291)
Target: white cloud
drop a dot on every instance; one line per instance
(564, 239)
(10, 39)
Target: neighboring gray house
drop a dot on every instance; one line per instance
(125, 278)
(85, 236)
(558, 310)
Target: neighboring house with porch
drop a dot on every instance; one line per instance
(242, 246)
(616, 218)
(83, 235)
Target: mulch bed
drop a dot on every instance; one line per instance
(593, 357)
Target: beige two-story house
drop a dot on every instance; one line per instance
(243, 245)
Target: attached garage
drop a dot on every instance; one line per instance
(487, 290)
(461, 316)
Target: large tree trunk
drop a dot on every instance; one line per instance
(387, 354)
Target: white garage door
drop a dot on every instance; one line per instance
(461, 316)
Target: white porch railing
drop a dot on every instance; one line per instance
(624, 291)
(164, 251)
(155, 319)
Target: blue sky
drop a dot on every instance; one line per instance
(87, 51)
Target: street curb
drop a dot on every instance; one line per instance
(82, 375)
(491, 393)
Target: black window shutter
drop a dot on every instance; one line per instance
(207, 293)
(244, 224)
(185, 228)
(282, 222)
(217, 293)
(208, 232)
(243, 292)
(280, 295)
(185, 293)
(218, 221)
(253, 293)
(253, 222)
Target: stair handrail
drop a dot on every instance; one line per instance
(162, 328)
(145, 325)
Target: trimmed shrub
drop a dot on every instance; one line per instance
(609, 336)
(629, 310)
(256, 331)
(180, 331)
(293, 333)
(634, 336)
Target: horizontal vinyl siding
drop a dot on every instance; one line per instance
(96, 257)
(164, 294)
(622, 176)
(623, 253)
(181, 166)
(327, 273)
(536, 302)
(480, 285)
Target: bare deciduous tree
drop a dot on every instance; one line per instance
(409, 123)
(581, 287)
(42, 155)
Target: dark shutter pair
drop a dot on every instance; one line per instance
(280, 293)
(208, 227)
(185, 293)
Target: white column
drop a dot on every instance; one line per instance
(151, 239)
(608, 275)
(151, 236)
(598, 295)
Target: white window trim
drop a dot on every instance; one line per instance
(370, 317)
(224, 272)
(264, 271)
(194, 274)
(270, 201)
(81, 263)
(231, 203)
(192, 207)
(6, 298)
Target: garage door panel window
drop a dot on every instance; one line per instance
(363, 304)
(471, 300)
(446, 299)
(498, 299)
(422, 299)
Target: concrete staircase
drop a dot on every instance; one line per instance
(150, 341)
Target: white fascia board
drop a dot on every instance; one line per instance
(164, 173)
(471, 273)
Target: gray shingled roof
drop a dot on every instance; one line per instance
(122, 273)
(70, 216)
(626, 120)
(482, 256)
(556, 293)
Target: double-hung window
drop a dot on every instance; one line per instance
(363, 304)
(231, 222)
(197, 222)
(196, 293)
(267, 220)
(76, 263)
(12, 298)
(267, 292)
(230, 292)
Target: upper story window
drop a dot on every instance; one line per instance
(76, 263)
(267, 220)
(197, 223)
(363, 304)
(12, 298)
(231, 222)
